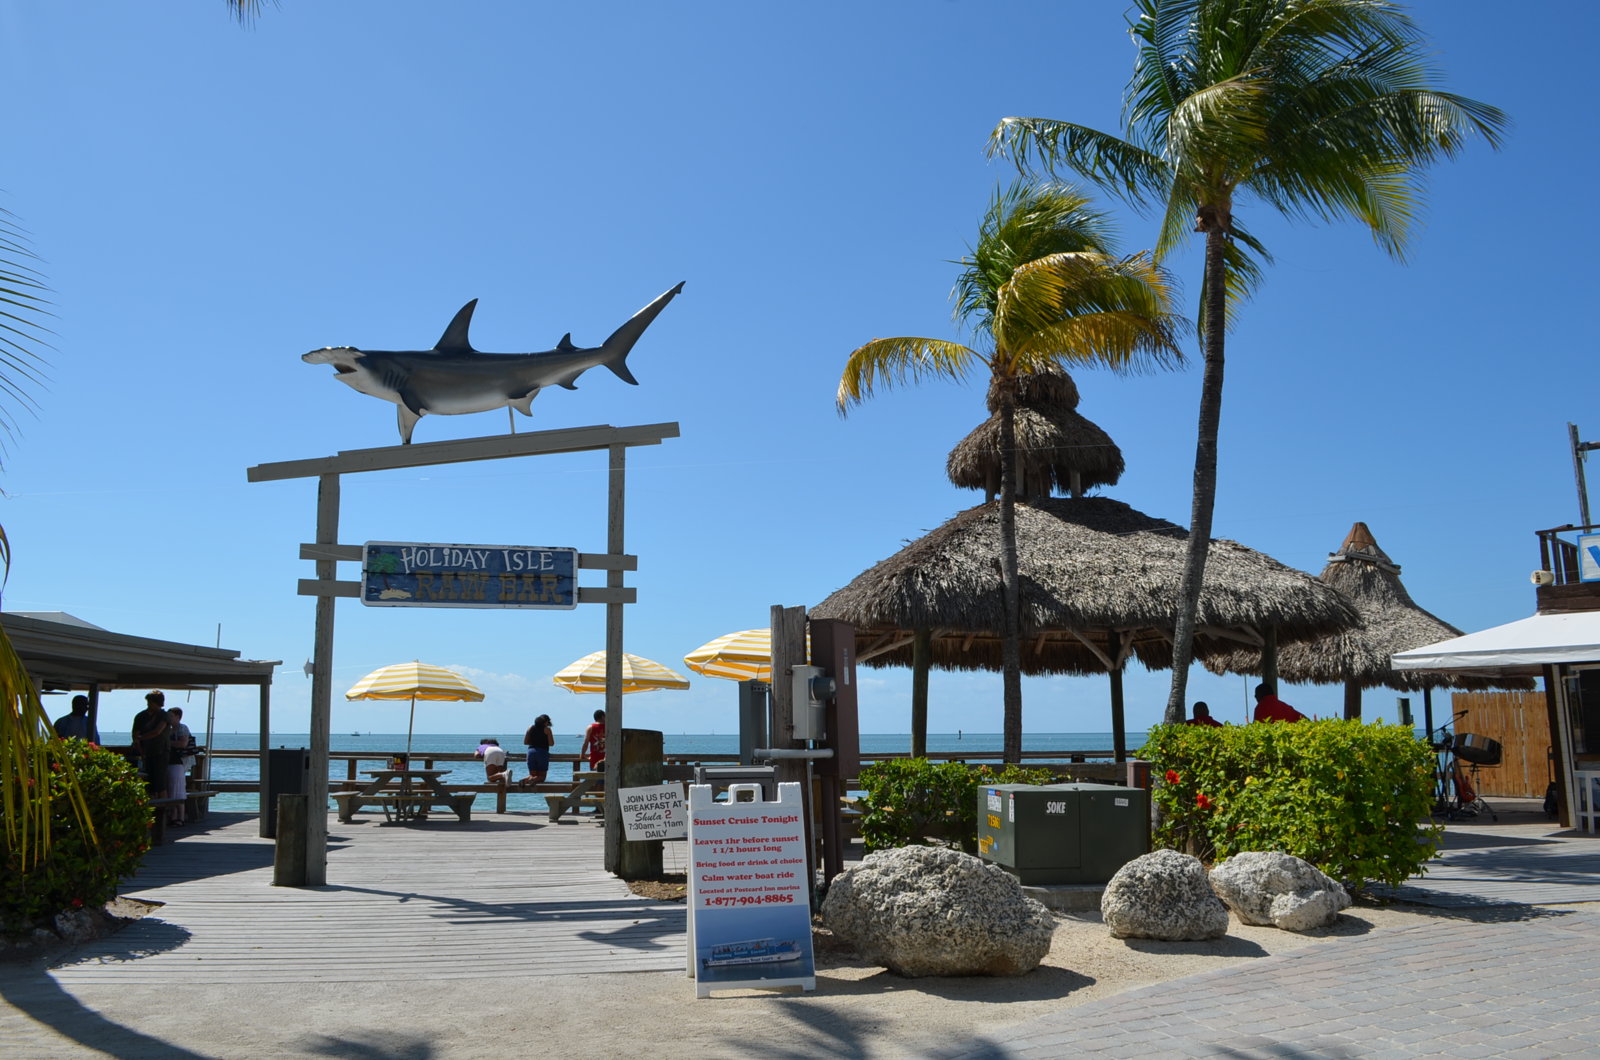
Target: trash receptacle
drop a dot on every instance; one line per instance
(286, 773)
(1062, 833)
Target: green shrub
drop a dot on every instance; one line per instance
(915, 802)
(1350, 798)
(79, 872)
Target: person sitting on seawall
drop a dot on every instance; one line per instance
(180, 756)
(1202, 716)
(494, 762)
(1270, 708)
(539, 738)
(78, 723)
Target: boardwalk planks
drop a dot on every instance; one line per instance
(512, 894)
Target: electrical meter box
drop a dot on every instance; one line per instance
(1062, 833)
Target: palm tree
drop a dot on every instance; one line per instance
(24, 726)
(1320, 108)
(1044, 289)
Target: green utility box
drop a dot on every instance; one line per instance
(1062, 833)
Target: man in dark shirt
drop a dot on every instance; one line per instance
(151, 738)
(78, 723)
(1270, 708)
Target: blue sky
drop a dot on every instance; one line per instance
(209, 202)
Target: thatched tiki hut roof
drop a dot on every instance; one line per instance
(1099, 584)
(1057, 448)
(1359, 657)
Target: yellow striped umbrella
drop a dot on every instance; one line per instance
(742, 656)
(639, 674)
(415, 680)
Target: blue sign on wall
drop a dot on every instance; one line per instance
(1589, 557)
(408, 574)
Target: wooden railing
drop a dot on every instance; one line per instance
(1087, 765)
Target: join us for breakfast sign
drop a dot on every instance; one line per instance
(412, 574)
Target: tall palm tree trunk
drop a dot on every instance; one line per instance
(1205, 466)
(1010, 594)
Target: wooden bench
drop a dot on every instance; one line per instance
(158, 827)
(196, 803)
(569, 803)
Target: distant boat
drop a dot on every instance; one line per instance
(756, 951)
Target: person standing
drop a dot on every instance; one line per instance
(594, 741)
(1202, 716)
(180, 756)
(1270, 708)
(78, 723)
(539, 738)
(151, 739)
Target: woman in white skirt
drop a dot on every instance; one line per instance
(181, 758)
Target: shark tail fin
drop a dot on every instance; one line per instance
(616, 348)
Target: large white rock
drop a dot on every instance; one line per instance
(1163, 895)
(931, 911)
(1269, 887)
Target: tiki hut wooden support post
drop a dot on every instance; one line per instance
(921, 662)
(1119, 727)
(1269, 657)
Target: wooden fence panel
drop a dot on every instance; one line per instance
(1521, 722)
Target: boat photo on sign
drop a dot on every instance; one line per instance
(404, 574)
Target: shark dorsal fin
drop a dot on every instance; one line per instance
(454, 339)
(565, 344)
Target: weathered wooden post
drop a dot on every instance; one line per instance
(639, 752)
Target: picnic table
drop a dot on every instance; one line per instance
(404, 794)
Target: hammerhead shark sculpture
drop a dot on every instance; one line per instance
(454, 378)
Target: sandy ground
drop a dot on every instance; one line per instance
(855, 1010)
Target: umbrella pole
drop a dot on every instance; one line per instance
(410, 722)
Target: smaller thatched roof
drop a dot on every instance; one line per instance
(1088, 566)
(1050, 448)
(1058, 450)
(1390, 622)
(1050, 390)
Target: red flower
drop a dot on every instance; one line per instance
(1172, 776)
(1202, 802)
(77, 903)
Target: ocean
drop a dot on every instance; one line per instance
(381, 745)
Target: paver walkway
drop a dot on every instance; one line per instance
(1498, 975)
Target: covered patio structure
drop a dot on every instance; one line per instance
(1564, 648)
(63, 653)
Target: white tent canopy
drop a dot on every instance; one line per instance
(1521, 647)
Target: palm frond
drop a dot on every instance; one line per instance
(886, 363)
(1126, 170)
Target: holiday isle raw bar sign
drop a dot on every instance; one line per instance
(749, 901)
(408, 574)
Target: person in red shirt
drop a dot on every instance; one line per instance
(594, 742)
(1202, 716)
(1270, 708)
